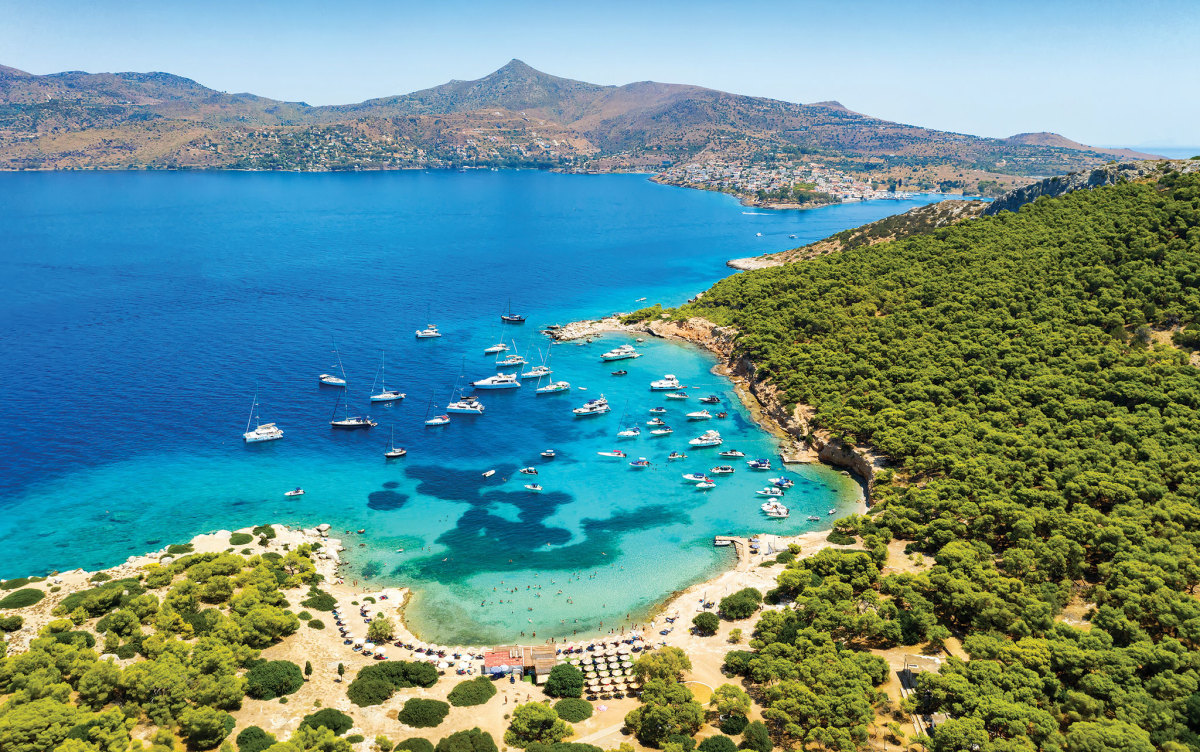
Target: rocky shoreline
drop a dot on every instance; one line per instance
(802, 443)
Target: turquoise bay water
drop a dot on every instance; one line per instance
(143, 309)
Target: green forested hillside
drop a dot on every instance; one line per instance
(1046, 452)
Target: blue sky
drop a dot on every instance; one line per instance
(1110, 73)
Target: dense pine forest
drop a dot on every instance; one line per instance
(1028, 377)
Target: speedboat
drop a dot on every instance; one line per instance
(760, 464)
(488, 473)
(328, 379)
(775, 509)
(630, 433)
(499, 381)
(557, 386)
(661, 431)
(621, 353)
(496, 348)
(511, 360)
(430, 330)
(676, 456)
(813, 518)
(622, 372)
(711, 399)
(548, 454)
(533, 487)
(732, 453)
(656, 422)
(782, 482)
(639, 463)
(528, 470)
(613, 453)
(706, 439)
(263, 432)
(297, 491)
(352, 422)
(593, 407)
(706, 484)
(770, 491)
(721, 470)
(388, 395)
(536, 372)
(832, 511)
(658, 410)
(438, 420)
(695, 477)
(466, 405)
(665, 384)
(677, 395)
(699, 415)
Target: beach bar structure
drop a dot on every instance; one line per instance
(508, 659)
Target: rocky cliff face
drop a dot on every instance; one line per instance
(1078, 181)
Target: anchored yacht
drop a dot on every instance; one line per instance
(499, 381)
(665, 384)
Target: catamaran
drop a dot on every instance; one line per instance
(347, 421)
(385, 394)
(499, 381)
(665, 384)
(262, 431)
(557, 386)
(329, 379)
(624, 352)
(499, 347)
(706, 439)
(428, 332)
(536, 372)
(394, 451)
(465, 405)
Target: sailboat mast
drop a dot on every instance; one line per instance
(253, 408)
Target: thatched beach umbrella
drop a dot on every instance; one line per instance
(593, 682)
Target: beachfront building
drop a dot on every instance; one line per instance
(515, 659)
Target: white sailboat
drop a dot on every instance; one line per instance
(347, 421)
(394, 451)
(385, 394)
(262, 431)
(333, 379)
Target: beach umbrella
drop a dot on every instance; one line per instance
(603, 674)
(369, 646)
(574, 661)
(443, 665)
(606, 680)
(593, 682)
(359, 641)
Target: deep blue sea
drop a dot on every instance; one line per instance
(141, 311)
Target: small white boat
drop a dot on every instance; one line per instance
(624, 352)
(438, 420)
(394, 451)
(676, 456)
(328, 379)
(665, 384)
(388, 395)
(832, 511)
(548, 454)
(297, 491)
(677, 395)
(760, 464)
(533, 487)
(706, 484)
(489, 473)
(721, 470)
(262, 431)
(813, 518)
(499, 381)
(557, 386)
(732, 453)
(770, 492)
(384, 394)
(706, 439)
(640, 463)
(775, 509)
(528, 471)
(511, 360)
(466, 405)
(656, 422)
(429, 331)
(593, 407)
(699, 415)
(661, 431)
(695, 477)
(499, 347)
(630, 433)
(536, 372)
(658, 410)
(613, 453)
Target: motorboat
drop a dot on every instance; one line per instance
(624, 352)
(428, 332)
(438, 420)
(297, 491)
(676, 456)
(262, 431)
(782, 482)
(695, 477)
(775, 509)
(699, 415)
(328, 379)
(711, 399)
(533, 487)
(677, 395)
(613, 453)
(528, 471)
(347, 421)
(706, 484)
(759, 464)
(732, 453)
(488, 473)
(630, 433)
(721, 470)
(658, 410)
(656, 422)
(499, 347)
(770, 491)
(593, 407)
(465, 405)
(639, 463)
(665, 384)
(557, 386)
(832, 511)
(621, 372)
(548, 454)
(511, 360)
(813, 518)
(706, 439)
(662, 431)
(499, 381)
(536, 372)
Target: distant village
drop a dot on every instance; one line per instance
(796, 182)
